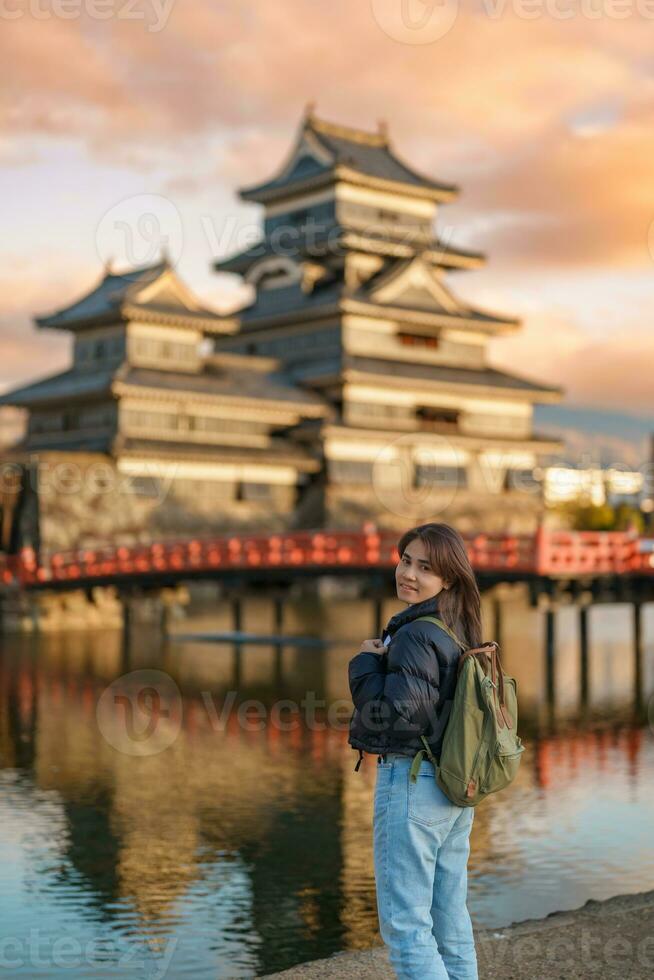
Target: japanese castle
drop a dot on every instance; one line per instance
(354, 387)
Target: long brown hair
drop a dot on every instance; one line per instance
(459, 606)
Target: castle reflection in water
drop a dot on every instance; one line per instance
(249, 843)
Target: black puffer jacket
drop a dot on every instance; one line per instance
(399, 696)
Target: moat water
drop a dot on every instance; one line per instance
(154, 824)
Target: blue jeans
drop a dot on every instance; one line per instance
(421, 848)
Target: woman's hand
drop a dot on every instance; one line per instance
(372, 646)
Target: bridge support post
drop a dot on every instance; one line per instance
(237, 624)
(278, 604)
(164, 617)
(638, 654)
(583, 655)
(126, 604)
(550, 664)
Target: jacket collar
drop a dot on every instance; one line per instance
(428, 607)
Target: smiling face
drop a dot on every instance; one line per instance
(414, 578)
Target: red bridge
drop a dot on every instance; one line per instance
(547, 554)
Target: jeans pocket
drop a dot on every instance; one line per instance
(428, 804)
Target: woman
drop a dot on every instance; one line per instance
(402, 686)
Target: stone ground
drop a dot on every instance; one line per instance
(610, 940)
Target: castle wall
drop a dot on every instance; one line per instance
(86, 500)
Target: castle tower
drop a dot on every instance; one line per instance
(351, 295)
(188, 440)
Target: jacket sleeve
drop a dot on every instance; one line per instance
(398, 693)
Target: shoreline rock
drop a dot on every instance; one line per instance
(607, 940)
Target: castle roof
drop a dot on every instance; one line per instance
(214, 382)
(325, 152)
(400, 372)
(406, 289)
(150, 292)
(340, 239)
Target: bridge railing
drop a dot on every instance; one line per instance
(561, 553)
(547, 553)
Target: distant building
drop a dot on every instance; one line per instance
(355, 387)
(593, 486)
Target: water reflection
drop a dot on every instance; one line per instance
(244, 847)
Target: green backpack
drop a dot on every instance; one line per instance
(481, 748)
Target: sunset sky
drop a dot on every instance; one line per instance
(542, 112)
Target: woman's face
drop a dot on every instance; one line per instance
(414, 578)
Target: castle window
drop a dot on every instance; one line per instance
(440, 476)
(350, 471)
(416, 340)
(438, 419)
(253, 491)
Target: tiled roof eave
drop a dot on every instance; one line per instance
(292, 408)
(271, 191)
(407, 314)
(22, 398)
(352, 240)
(534, 443)
(535, 393)
(433, 191)
(132, 311)
(268, 192)
(430, 250)
(204, 319)
(281, 319)
(217, 453)
(366, 308)
(57, 322)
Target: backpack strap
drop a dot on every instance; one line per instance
(489, 656)
(419, 756)
(443, 626)
(447, 707)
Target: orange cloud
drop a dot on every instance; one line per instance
(612, 373)
(498, 104)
